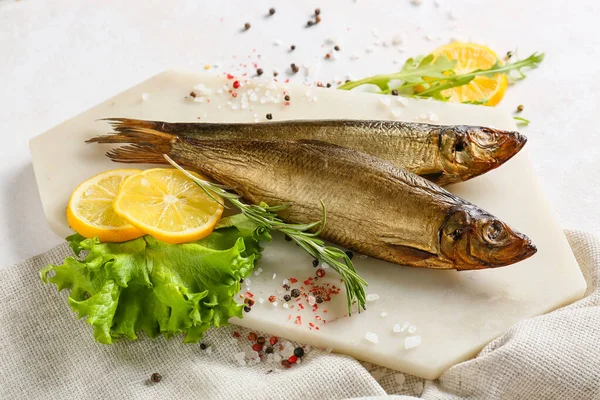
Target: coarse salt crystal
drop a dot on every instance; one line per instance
(274, 275)
(270, 357)
(199, 99)
(275, 304)
(384, 314)
(405, 326)
(276, 358)
(400, 379)
(202, 89)
(418, 387)
(412, 329)
(372, 297)
(145, 96)
(363, 257)
(261, 300)
(248, 282)
(411, 342)
(286, 281)
(324, 265)
(397, 328)
(240, 357)
(286, 305)
(312, 300)
(385, 100)
(372, 337)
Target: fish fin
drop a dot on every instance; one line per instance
(410, 255)
(147, 145)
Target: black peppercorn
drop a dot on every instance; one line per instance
(202, 346)
(155, 377)
(287, 98)
(299, 352)
(260, 340)
(271, 11)
(259, 71)
(315, 263)
(329, 85)
(286, 287)
(287, 297)
(247, 26)
(247, 309)
(269, 350)
(295, 292)
(294, 68)
(394, 92)
(269, 116)
(319, 299)
(336, 48)
(310, 23)
(293, 47)
(317, 11)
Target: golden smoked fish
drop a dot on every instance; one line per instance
(441, 154)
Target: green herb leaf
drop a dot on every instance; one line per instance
(434, 76)
(521, 121)
(155, 287)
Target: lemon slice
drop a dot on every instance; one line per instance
(166, 204)
(90, 211)
(470, 57)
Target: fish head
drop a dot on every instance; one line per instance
(469, 151)
(473, 239)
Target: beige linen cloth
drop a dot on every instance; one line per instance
(46, 353)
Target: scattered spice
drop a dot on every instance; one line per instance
(247, 26)
(259, 71)
(336, 48)
(202, 346)
(292, 359)
(260, 340)
(295, 68)
(257, 347)
(269, 350)
(273, 340)
(247, 308)
(193, 94)
(252, 336)
(293, 47)
(236, 334)
(287, 297)
(328, 56)
(520, 108)
(299, 352)
(317, 19)
(317, 11)
(394, 92)
(286, 286)
(272, 299)
(286, 364)
(155, 377)
(236, 84)
(295, 292)
(287, 98)
(271, 11)
(320, 272)
(275, 73)
(310, 23)
(269, 116)
(509, 54)
(319, 299)
(329, 85)
(315, 263)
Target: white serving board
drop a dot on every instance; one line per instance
(455, 313)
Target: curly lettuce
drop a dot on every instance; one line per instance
(145, 285)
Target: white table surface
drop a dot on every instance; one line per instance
(60, 57)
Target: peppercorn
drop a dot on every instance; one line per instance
(271, 11)
(310, 23)
(349, 254)
(294, 68)
(509, 54)
(257, 347)
(315, 263)
(317, 19)
(299, 352)
(286, 364)
(247, 309)
(155, 377)
(520, 108)
(295, 293)
(269, 350)
(259, 71)
(260, 339)
(347, 80)
(286, 286)
(252, 336)
(269, 116)
(319, 299)
(394, 92)
(329, 85)
(320, 272)
(236, 84)
(287, 238)
(336, 48)
(249, 301)
(287, 98)
(193, 94)
(202, 346)
(293, 47)
(317, 11)
(273, 340)
(287, 297)
(275, 73)
(328, 56)
(247, 26)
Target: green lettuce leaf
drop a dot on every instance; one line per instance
(145, 285)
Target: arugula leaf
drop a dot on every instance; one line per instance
(432, 76)
(145, 285)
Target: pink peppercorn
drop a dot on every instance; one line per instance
(257, 347)
(292, 359)
(273, 340)
(320, 272)
(236, 84)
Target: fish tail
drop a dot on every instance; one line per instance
(146, 144)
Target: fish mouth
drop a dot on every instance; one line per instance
(509, 144)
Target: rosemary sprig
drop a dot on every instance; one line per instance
(265, 216)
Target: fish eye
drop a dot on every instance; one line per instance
(494, 230)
